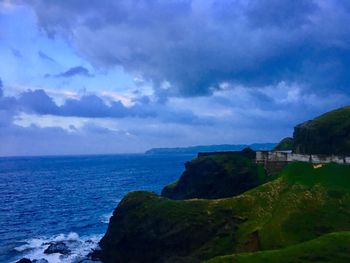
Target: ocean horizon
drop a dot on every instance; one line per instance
(70, 198)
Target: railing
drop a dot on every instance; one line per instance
(266, 156)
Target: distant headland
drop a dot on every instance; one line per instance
(212, 148)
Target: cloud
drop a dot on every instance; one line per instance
(1, 91)
(72, 72)
(43, 56)
(33, 124)
(37, 101)
(92, 106)
(194, 46)
(16, 53)
(284, 14)
(34, 140)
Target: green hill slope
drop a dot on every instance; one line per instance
(285, 144)
(302, 204)
(327, 134)
(330, 248)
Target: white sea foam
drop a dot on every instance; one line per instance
(80, 247)
(105, 218)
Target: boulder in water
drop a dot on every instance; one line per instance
(24, 260)
(57, 247)
(42, 260)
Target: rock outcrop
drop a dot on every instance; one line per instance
(327, 134)
(57, 247)
(217, 175)
(24, 260)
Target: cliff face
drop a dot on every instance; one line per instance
(148, 228)
(302, 204)
(327, 134)
(284, 220)
(217, 176)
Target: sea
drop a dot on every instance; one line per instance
(71, 198)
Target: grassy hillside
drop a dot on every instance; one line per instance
(302, 204)
(330, 248)
(327, 134)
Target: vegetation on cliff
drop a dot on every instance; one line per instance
(149, 228)
(213, 176)
(285, 144)
(327, 134)
(302, 204)
(330, 248)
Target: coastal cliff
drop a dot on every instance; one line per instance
(224, 206)
(327, 134)
(302, 204)
(217, 175)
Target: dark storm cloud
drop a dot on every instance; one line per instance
(72, 72)
(36, 101)
(92, 106)
(43, 56)
(281, 13)
(89, 106)
(196, 45)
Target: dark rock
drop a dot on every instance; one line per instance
(327, 134)
(42, 260)
(24, 260)
(57, 247)
(216, 175)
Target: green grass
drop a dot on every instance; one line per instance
(284, 145)
(337, 116)
(330, 248)
(301, 205)
(332, 176)
(326, 134)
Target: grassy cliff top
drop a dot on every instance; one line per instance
(330, 248)
(326, 134)
(335, 117)
(302, 204)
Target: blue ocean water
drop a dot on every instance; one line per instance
(45, 199)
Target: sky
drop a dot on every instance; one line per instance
(123, 76)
